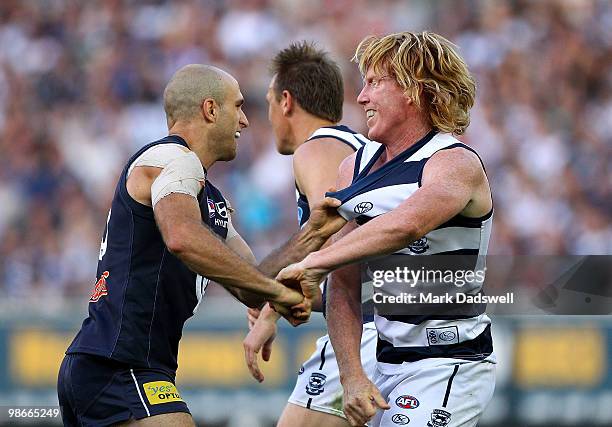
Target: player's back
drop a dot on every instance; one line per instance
(144, 294)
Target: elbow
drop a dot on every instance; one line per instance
(404, 234)
(177, 242)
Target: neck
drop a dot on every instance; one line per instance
(304, 125)
(196, 141)
(411, 136)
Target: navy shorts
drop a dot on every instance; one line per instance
(96, 391)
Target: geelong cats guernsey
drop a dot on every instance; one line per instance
(342, 134)
(410, 337)
(143, 294)
(355, 141)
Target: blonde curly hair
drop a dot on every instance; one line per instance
(428, 68)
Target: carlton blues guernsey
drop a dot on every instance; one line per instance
(407, 336)
(144, 294)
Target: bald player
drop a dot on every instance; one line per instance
(167, 234)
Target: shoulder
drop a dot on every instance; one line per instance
(160, 155)
(458, 162)
(346, 171)
(321, 148)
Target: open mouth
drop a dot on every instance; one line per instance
(370, 113)
(237, 134)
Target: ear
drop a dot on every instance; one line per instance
(287, 103)
(210, 110)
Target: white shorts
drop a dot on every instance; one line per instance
(435, 393)
(318, 383)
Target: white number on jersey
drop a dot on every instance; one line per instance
(201, 284)
(103, 244)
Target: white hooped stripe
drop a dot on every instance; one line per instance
(139, 394)
(348, 137)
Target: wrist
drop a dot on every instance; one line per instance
(268, 313)
(353, 375)
(314, 261)
(312, 237)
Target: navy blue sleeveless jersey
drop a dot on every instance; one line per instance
(144, 294)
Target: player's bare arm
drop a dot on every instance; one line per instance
(179, 221)
(315, 166)
(238, 245)
(344, 322)
(453, 183)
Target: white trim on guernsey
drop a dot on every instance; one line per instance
(139, 394)
(438, 142)
(344, 135)
(368, 152)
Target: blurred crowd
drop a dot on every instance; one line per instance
(81, 85)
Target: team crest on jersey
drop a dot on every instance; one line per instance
(221, 209)
(316, 384)
(100, 289)
(363, 207)
(419, 246)
(439, 418)
(211, 208)
(407, 402)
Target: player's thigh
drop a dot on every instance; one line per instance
(437, 395)
(177, 419)
(297, 416)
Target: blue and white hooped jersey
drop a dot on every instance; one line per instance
(411, 337)
(144, 293)
(354, 140)
(341, 133)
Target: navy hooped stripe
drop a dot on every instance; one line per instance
(342, 128)
(357, 163)
(477, 349)
(365, 182)
(464, 221)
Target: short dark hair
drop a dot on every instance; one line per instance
(312, 78)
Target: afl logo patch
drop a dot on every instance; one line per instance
(407, 402)
(211, 208)
(363, 207)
